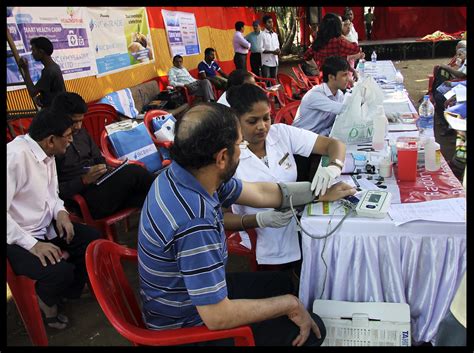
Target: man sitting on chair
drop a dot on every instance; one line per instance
(208, 68)
(82, 164)
(178, 76)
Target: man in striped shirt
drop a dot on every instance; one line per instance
(182, 248)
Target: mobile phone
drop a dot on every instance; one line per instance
(352, 199)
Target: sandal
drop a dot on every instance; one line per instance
(59, 321)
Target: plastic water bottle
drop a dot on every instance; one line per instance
(361, 67)
(432, 155)
(425, 121)
(380, 128)
(399, 83)
(373, 57)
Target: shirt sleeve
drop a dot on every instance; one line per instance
(301, 141)
(242, 41)
(16, 235)
(229, 192)
(321, 102)
(348, 48)
(217, 67)
(201, 67)
(266, 45)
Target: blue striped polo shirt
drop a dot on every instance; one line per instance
(182, 248)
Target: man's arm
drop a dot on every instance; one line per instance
(260, 195)
(222, 73)
(33, 91)
(453, 71)
(237, 312)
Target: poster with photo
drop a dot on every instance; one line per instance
(65, 27)
(181, 31)
(121, 38)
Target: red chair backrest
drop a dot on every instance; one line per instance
(287, 114)
(302, 77)
(97, 117)
(119, 303)
(287, 82)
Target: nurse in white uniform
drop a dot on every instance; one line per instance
(269, 157)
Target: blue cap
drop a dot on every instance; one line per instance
(255, 23)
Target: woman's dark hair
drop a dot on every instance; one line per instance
(242, 98)
(43, 43)
(239, 25)
(344, 18)
(237, 77)
(70, 103)
(47, 123)
(332, 65)
(330, 27)
(203, 131)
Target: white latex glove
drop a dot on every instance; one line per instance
(323, 178)
(273, 218)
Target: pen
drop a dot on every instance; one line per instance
(86, 168)
(284, 158)
(355, 181)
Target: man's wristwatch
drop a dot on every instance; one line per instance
(337, 162)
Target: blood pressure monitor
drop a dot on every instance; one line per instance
(374, 204)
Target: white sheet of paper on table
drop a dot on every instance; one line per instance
(447, 210)
(460, 91)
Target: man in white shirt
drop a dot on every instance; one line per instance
(241, 46)
(322, 103)
(42, 243)
(179, 76)
(271, 49)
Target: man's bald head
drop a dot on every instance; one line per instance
(203, 131)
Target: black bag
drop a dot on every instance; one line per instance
(174, 98)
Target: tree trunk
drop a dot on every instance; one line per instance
(286, 47)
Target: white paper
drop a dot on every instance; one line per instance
(402, 127)
(447, 210)
(460, 91)
(449, 94)
(455, 123)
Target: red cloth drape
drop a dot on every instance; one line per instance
(404, 22)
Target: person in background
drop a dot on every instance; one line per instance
(208, 69)
(352, 36)
(51, 81)
(269, 157)
(369, 17)
(319, 108)
(42, 242)
(182, 249)
(179, 76)
(241, 46)
(331, 42)
(236, 78)
(255, 40)
(82, 164)
(346, 32)
(314, 31)
(271, 49)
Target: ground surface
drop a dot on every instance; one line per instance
(90, 327)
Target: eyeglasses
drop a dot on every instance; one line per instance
(243, 145)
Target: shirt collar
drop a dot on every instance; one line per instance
(266, 30)
(212, 62)
(188, 180)
(327, 91)
(36, 149)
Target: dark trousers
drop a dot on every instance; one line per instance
(368, 28)
(274, 332)
(256, 63)
(126, 188)
(240, 61)
(64, 279)
(202, 88)
(269, 72)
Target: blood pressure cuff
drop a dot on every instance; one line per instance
(300, 193)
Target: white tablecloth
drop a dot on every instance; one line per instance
(419, 263)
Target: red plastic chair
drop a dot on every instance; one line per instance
(107, 225)
(315, 80)
(24, 295)
(234, 246)
(109, 155)
(290, 87)
(149, 116)
(272, 81)
(287, 114)
(97, 117)
(118, 301)
(302, 80)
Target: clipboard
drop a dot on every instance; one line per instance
(111, 172)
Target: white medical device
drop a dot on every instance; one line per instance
(374, 204)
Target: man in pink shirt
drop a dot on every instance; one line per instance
(42, 242)
(241, 46)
